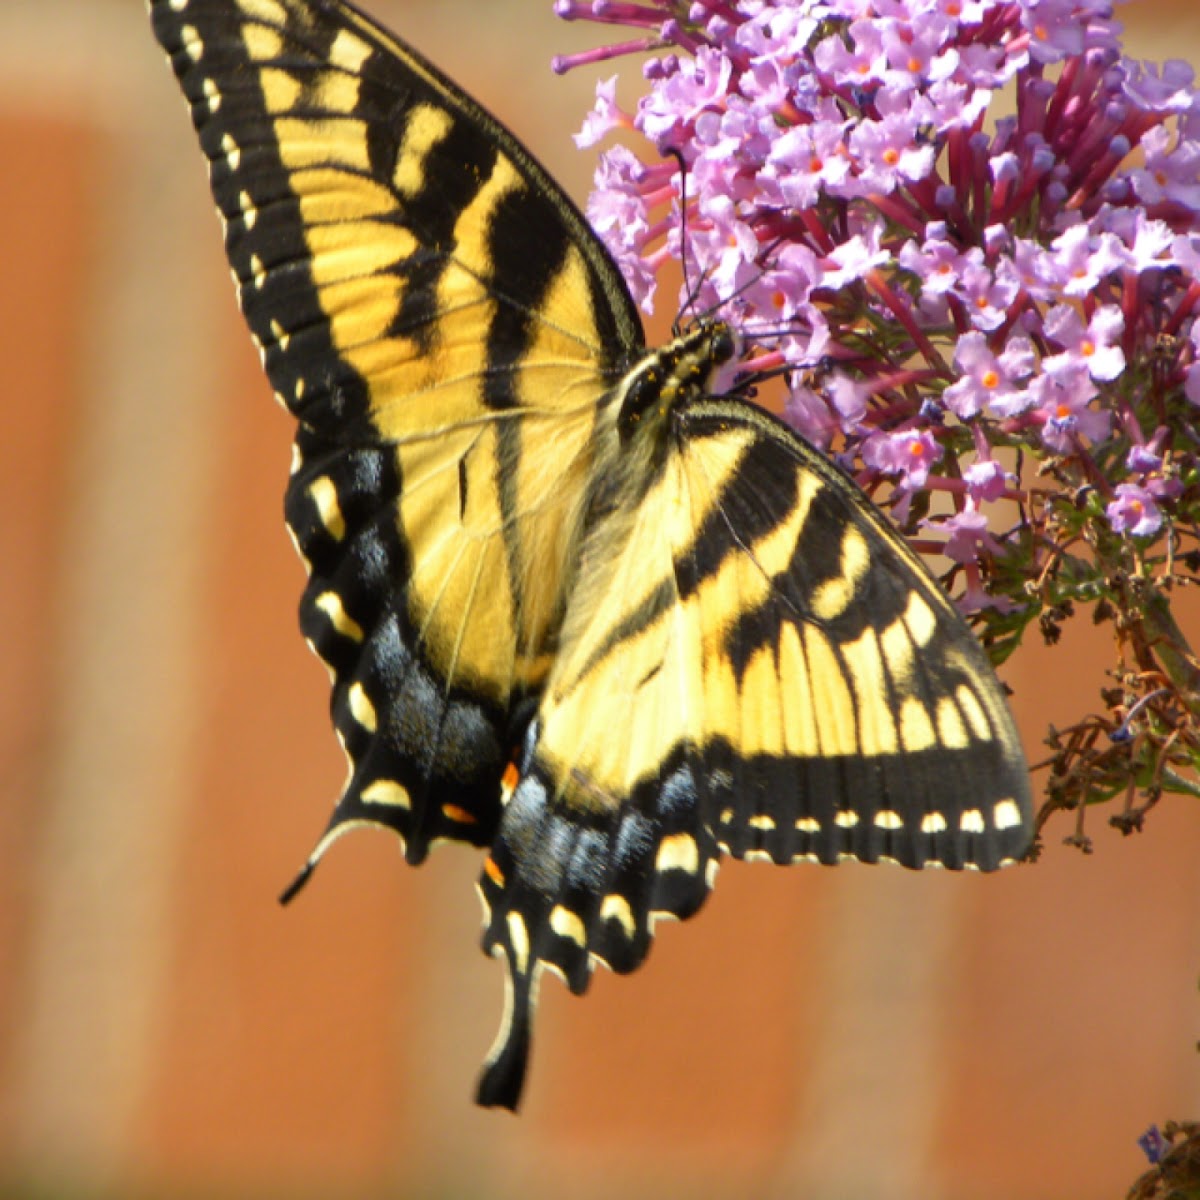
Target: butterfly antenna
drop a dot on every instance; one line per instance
(709, 313)
(690, 292)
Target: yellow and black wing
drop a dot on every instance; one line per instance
(442, 323)
(573, 608)
(759, 666)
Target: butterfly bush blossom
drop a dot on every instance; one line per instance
(966, 234)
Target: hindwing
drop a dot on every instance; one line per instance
(763, 669)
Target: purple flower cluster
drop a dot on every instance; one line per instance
(936, 281)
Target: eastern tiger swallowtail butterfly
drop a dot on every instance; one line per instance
(577, 609)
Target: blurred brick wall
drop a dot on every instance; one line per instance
(166, 763)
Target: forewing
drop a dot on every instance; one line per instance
(764, 669)
(442, 323)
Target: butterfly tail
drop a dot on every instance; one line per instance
(503, 1075)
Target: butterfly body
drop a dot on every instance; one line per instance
(576, 608)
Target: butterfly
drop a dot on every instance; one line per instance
(576, 608)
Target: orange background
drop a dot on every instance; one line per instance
(166, 764)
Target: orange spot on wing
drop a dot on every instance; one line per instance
(455, 813)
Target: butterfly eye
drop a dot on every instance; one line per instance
(723, 346)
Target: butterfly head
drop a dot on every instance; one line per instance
(672, 375)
